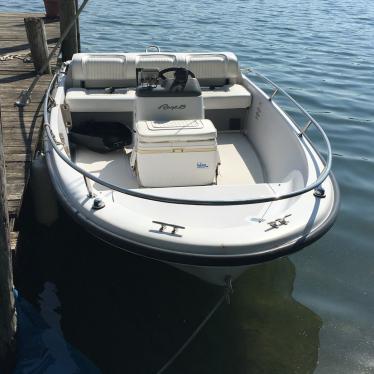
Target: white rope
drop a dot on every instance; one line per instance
(225, 296)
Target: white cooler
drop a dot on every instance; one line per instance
(175, 153)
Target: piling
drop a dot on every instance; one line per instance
(78, 28)
(36, 36)
(70, 45)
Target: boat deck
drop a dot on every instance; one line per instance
(239, 163)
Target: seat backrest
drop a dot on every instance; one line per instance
(98, 70)
(213, 69)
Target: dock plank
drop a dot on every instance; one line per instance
(21, 126)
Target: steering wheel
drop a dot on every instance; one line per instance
(181, 74)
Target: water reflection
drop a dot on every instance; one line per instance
(129, 315)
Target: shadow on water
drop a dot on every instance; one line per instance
(129, 315)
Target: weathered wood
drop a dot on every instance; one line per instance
(70, 44)
(38, 44)
(21, 126)
(8, 320)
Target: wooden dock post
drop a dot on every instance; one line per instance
(38, 42)
(78, 28)
(8, 321)
(70, 45)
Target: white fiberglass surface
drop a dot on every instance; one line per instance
(279, 148)
(227, 226)
(239, 164)
(210, 228)
(240, 177)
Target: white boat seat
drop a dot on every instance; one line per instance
(97, 100)
(227, 97)
(100, 70)
(122, 100)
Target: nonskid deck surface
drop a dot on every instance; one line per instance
(239, 163)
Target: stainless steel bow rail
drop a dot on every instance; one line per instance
(311, 120)
(88, 177)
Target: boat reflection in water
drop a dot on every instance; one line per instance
(129, 314)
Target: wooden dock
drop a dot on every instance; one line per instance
(21, 126)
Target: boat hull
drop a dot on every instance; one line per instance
(263, 206)
(211, 269)
(216, 275)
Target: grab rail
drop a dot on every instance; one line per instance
(311, 121)
(90, 177)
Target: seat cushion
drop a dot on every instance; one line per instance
(227, 97)
(175, 131)
(97, 100)
(122, 100)
(95, 66)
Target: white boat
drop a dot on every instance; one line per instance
(211, 176)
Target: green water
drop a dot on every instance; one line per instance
(129, 315)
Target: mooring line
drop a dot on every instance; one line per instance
(24, 97)
(228, 290)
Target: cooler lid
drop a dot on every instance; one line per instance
(176, 130)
